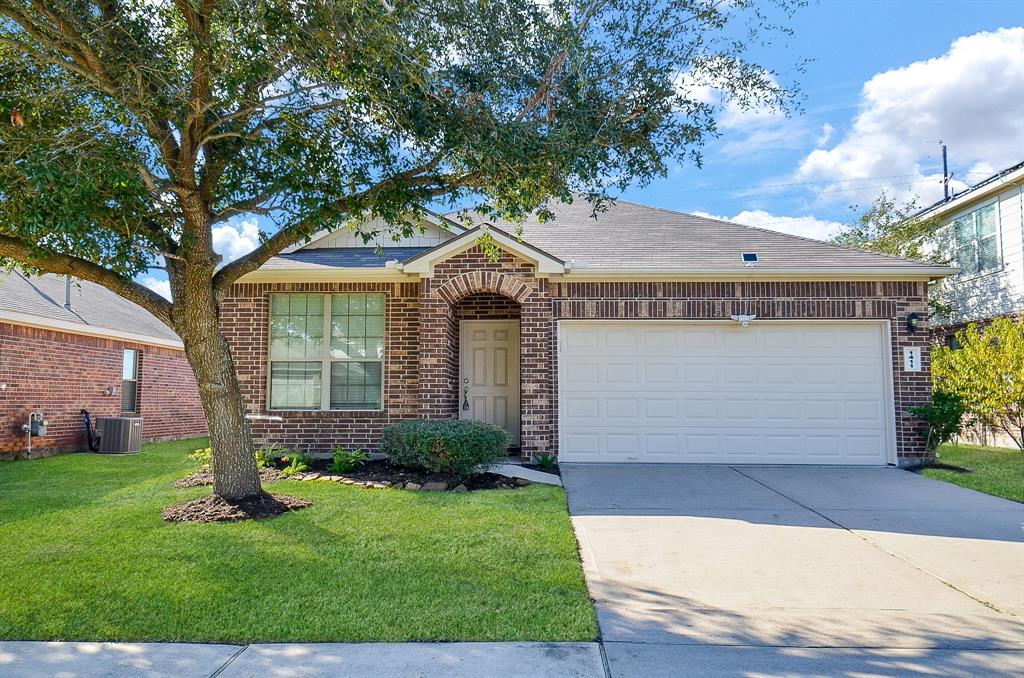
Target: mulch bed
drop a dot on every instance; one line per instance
(205, 477)
(943, 467)
(214, 509)
(383, 471)
(377, 473)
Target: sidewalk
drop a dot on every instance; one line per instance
(25, 659)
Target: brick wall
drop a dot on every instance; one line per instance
(421, 373)
(465, 286)
(245, 320)
(60, 374)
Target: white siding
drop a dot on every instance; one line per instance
(1001, 291)
(343, 237)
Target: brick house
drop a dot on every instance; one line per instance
(639, 335)
(64, 348)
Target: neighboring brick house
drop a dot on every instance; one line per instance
(67, 348)
(639, 335)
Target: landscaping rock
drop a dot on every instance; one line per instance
(460, 488)
(435, 486)
(522, 482)
(412, 486)
(378, 486)
(311, 476)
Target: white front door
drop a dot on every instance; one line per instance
(813, 392)
(489, 373)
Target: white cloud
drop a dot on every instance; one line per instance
(161, 287)
(972, 98)
(235, 240)
(806, 226)
(826, 135)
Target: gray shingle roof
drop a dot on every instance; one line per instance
(92, 306)
(634, 236)
(342, 257)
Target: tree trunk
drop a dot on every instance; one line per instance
(235, 475)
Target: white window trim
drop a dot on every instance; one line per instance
(964, 276)
(136, 353)
(326, 359)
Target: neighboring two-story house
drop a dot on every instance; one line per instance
(983, 232)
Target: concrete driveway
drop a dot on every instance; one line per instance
(771, 571)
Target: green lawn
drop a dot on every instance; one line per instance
(84, 554)
(996, 470)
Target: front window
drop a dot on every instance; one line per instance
(130, 381)
(976, 241)
(326, 351)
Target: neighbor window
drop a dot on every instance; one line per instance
(326, 351)
(130, 381)
(976, 241)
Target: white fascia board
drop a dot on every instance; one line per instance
(755, 274)
(969, 197)
(326, 274)
(424, 263)
(29, 320)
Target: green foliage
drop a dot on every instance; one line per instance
(547, 461)
(941, 417)
(344, 460)
(350, 108)
(298, 462)
(890, 228)
(986, 372)
(266, 457)
(203, 456)
(453, 446)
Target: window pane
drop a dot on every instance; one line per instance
(967, 259)
(988, 255)
(296, 326)
(129, 396)
(964, 229)
(985, 220)
(130, 364)
(295, 385)
(357, 326)
(355, 386)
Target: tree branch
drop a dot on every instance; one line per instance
(63, 264)
(432, 186)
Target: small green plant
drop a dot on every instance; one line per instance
(266, 457)
(941, 418)
(345, 461)
(203, 456)
(547, 461)
(298, 462)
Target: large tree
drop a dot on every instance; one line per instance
(130, 128)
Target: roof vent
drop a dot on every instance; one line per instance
(749, 258)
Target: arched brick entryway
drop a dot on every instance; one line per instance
(464, 276)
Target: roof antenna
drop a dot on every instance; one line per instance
(945, 172)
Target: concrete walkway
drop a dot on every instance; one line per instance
(716, 571)
(359, 660)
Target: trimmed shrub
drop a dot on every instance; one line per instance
(454, 446)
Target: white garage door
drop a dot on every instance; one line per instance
(771, 393)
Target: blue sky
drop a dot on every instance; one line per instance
(888, 80)
(937, 71)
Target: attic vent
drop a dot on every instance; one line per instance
(749, 257)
